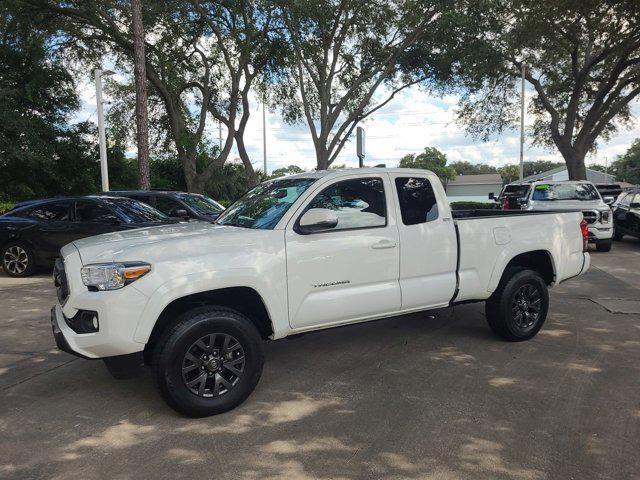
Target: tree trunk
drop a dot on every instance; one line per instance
(139, 72)
(322, 157)
(575, 165)
(250, 174)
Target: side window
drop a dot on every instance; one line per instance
(167, 205)
(417, 200)
(94, 212)
(358, 203)
(626, 199)
(50, 211)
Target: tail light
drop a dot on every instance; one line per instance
(584, 228)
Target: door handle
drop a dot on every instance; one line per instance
(384, 244)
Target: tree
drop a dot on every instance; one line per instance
(467, 168)
(539, 166)
(626, 168)
(581, 60)
(140, 75)
(40, 153)
(199, 61)
(509, 173)
(290, 170)
(349, 58)
(430, 159)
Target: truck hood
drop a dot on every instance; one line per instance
(568, 205)
(162, 242)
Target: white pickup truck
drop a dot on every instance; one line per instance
(297, 254)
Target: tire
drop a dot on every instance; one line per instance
(221, 375)
(617, 236)
(18, 259)
(604, 246)
(501, 307)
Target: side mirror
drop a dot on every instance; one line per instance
(317, 220)
(492, 196)
(608, 200)
(182, 213)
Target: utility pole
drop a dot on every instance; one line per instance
(264, 136)
(606, 169)
(522, 123)
(104, 170)
(360, 149)
(142, 117)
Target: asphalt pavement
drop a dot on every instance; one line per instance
(425, 396)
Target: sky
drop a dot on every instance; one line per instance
(409, 123)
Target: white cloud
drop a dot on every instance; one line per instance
(410, 122)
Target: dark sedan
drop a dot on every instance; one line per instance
(32, 234)
(176, 204)
(626, 215)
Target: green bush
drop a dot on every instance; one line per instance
(474, 205)
(5, 207)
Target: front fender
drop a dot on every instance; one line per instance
(182, 286)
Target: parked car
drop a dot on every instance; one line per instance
(608, 191)
(574, 195)
(626, 215)
(176, 204)
(296, 254)
(32, 233)
(511, 195)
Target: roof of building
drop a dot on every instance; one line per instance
(481, 179)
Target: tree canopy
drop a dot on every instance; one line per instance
(581, 60)
(431, 159)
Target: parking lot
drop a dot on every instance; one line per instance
(422, 396)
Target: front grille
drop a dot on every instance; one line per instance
(591, 216)
(60, 281)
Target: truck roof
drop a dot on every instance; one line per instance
(338, 172)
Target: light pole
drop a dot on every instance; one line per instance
(264, 136)
(104, 170)
(522, 123)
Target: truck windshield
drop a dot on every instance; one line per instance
(264, 206)
(564, 191)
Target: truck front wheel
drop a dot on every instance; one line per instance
(209, 362)
(518, 308)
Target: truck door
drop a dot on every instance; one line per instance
(348, 271)
(428, 257)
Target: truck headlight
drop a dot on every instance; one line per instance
(112, 276)
(605, 215)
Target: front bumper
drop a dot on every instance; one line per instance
(599, 232)
(61, 341)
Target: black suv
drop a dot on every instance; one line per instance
(32, 233)
(626, 215)
(176, 204)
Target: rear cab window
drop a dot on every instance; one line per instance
(417, 200)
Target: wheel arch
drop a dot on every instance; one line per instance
(245, 300)
(540, 261)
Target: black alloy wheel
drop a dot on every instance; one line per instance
(17, 260)
(213, 365)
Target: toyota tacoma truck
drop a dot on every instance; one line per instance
(196, 301)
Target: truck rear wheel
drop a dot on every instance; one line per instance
(518, 308)
(209, 362)
(604, 246)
